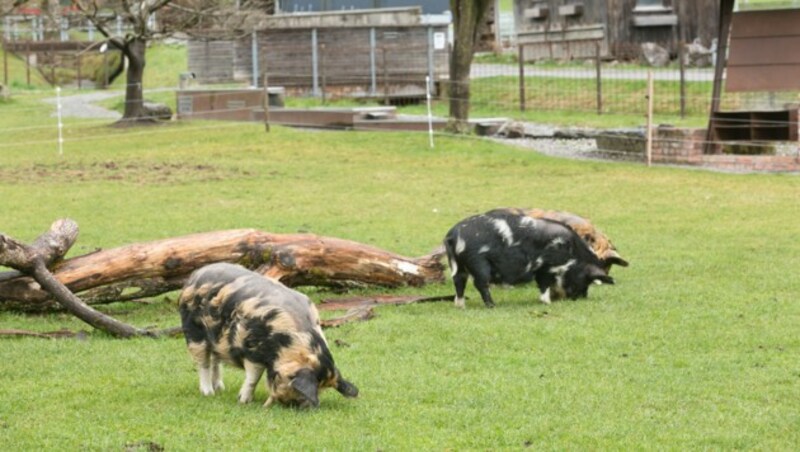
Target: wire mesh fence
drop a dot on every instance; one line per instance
(360, 76)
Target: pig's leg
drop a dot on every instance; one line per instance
(216, 374)
(201, 354)
(252, 373)
(481, 272)
(460, 281)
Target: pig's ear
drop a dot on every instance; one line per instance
(306, 384)
(612, 257)
(346, 388)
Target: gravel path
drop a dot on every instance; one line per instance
(81, 105)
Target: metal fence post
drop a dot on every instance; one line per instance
(90, 30)
(599, 76)
(7, 29)
(314, 63)
(521, 61)
(430, 53)
(64, 29)
(373, 76)
(254, 54)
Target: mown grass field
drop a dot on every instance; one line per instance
(696, 346)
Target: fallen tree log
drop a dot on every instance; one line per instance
(148, 269)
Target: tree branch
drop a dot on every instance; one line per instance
(49, 247)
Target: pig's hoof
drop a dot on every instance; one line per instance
(244, 398)
(490, 305)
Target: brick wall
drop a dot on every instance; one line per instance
(685, 147)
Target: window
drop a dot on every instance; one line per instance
(653, 5)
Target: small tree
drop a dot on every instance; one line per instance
(139, 18)
(467, 16)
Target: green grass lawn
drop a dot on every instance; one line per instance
(696, 346)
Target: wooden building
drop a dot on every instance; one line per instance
(566, 29)
(363, 53)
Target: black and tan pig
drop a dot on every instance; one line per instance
(232, 314)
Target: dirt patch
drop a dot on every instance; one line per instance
(136, 173)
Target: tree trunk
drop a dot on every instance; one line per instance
(134, 51)
(149, 269)
(467, 14)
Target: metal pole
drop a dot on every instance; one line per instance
(599, 79)
(254, 53)
(314, 63)
(430, 55)
(649, 117)
(373, 87)
(521, 61)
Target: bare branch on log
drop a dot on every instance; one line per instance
(49, 247)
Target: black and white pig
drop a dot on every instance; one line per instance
(232, 314)
(506, 246)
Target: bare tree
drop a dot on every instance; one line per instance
(467, 16)
(142, 26)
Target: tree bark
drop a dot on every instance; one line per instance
(467, 15)
(152, 268)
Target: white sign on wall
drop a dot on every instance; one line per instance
(439, 41)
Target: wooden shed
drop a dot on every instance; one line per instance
(385, 52)
(565, 29)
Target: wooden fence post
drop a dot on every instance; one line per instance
(385, 78)
(323, 81)
(649, 145)
(521, 61)
(5, 63)
(28, 63)
(599, 78)
(681, 55)
(266, 102)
